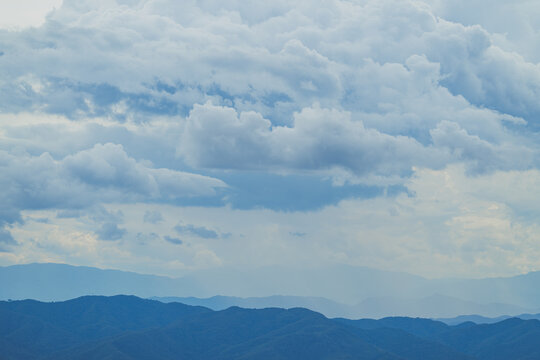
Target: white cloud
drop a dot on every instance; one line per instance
(20, 14)
(323, 139)
(103, 173)
(274, 59)
(109, 167)
(371, 91)
(514, 23)
(479, 154)
(401, 81)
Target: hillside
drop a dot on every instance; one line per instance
(127, 327)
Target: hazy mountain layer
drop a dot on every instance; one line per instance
(354, 292)
(431, 307)
(477, 319)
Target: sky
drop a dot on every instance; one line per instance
(172, 137)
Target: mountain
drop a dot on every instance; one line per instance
(415, 326)
(53, 282)
(126, 327)
(238, 333)
(477, 319)
(60, 282)
(350, 285)
(131, 328)
(431, 307)
(341, 283)
(434, 306)
(522, 290)
(324, 306)
(355, 291)
(39, 327)
(508, 339)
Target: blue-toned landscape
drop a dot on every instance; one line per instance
(128, 327)
(66, 324)
(301, 179)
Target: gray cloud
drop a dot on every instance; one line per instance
(173, 240)
(109, 167)
(297, 234)
(322, 139)
(6, 240)
(110, 231)
(146, 238)
(518, 32)
(70, 213)
(152, 217)
(199, 231)
(274, 61)
(99, 213)
(266, 66)
(484, 155)
(103, 173)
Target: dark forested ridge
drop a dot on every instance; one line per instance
(127, 327)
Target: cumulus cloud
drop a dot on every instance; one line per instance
(41, 181)
(36, 133)
(385, 89)
(109, 167)
(514, 24)
(104, 173)
(271, 59)
(322, 139)
(26, 13)
(484, 155)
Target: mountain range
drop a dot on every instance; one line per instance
(127, 327)
(435, 306)
(360, 292)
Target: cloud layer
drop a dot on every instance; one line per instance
(323, 109)
(104, 173)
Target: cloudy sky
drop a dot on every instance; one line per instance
(165, 136)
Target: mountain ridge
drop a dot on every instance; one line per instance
(407, 295)
(131, 328)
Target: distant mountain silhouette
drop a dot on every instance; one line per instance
(433, 306)
(360, 292)
(127, 327)
(324, 306)
(477, 319)
(53, 282)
